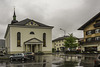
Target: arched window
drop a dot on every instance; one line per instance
(44, 39)
(18, 39)
(31, 32)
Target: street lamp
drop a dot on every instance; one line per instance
(64, 31)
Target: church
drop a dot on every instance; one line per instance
(28, 36)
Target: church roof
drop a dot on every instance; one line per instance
(89, 22)
(25, 21)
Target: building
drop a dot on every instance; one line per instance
(91, 30)
(28, 36)
(2, 45)
(58, 43)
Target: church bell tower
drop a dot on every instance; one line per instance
(14, 18)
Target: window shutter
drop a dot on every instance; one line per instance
(93, 31)
(93, 39)
(86, 32)
(99, 30)
(86, 39)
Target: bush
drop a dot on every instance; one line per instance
(53, 49)
(39, 53)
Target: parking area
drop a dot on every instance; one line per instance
(55, 60)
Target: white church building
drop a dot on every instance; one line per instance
(28, 36)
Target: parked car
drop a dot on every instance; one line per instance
(97, 61)
(19, 56)
(2, 54)
(30, 55)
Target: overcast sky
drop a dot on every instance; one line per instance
(66, 14)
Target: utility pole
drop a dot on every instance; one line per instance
(63, 31)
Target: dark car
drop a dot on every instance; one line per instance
(30, 55)
(19, 56)
(97, 61)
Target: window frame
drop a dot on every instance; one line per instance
(32, 33)
(97, 38)
(97, 30)
(18, 39)
(44, 39)
(89, 39)
(89, 32)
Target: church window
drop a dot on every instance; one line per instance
(44, 39)
(31, 32)
(18, 39)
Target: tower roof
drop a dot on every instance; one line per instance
(14, 13)
(14, 18)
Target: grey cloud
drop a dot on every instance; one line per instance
(44, 12)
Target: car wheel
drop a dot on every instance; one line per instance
(32, 58)
(22, 59)
(11, 59)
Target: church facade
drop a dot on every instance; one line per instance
(28, 36)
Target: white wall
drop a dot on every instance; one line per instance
(25, 35)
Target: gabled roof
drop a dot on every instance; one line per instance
(25, 21)
(60, 38)
(23, 24)
(89, 22)
(33, 41)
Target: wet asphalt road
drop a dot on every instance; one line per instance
(55, 60)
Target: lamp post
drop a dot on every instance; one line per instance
(63, 31)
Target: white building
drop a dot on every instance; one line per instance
(28, 36)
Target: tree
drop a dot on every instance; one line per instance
(70, 42)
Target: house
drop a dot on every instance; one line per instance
(91, 31)
(28, 36)
(58, 43)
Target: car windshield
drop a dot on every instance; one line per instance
(29, 53)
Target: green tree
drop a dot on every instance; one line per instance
(70, 42)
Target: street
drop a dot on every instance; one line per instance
(55, 60)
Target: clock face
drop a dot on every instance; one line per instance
(32, 24)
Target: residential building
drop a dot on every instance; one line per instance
(28, 36)
(58, 43)
(91, 31)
